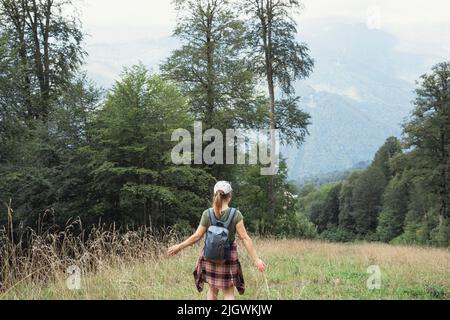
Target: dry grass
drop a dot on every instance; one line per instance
(41, 258)
(134, 266)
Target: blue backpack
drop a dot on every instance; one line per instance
(217, 242)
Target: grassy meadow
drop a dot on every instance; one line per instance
(297, 270)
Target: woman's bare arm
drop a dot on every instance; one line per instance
(248, 243)
(196, 237)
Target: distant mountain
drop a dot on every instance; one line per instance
(109, 55)
(359, 94)
(330, 177)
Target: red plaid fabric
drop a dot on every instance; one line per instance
(220, 275)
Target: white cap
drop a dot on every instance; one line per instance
(223, 186)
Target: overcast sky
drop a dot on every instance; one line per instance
(422, 27)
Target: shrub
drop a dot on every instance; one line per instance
(338, 235)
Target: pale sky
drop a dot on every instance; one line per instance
(422, 27)
(404, 17)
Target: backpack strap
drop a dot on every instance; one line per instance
(230, 218)
(212, 217)
(214, 220)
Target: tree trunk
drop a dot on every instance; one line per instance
(266, 23)
(443, 192)
(210, 69)
(33, 16)
(16, 12)
(27, 82)
(46, 63)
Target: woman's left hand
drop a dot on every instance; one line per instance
(260, 265)
(174, 250)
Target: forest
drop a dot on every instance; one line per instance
(71, 150)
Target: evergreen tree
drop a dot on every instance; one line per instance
(428, 133)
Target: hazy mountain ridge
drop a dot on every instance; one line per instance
(357, 98)
(107, 60)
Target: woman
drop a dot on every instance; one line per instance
(228, 275)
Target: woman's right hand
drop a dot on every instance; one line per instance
(174, 250)
(260, 265)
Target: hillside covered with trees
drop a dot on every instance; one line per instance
(70, 150)
(404, 194)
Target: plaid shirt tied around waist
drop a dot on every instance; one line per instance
(220, 275)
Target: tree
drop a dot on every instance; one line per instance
(428, 133)
(44, 107)
(390, 148)
(346, 203)
(6, 111)
(5, 62)
(395, 207)
(369, 187)
(324, 212)
(278, 57)
(212, 70)
(251, 194)
(11, 108)
(367, 193)
(133, 181)
(42, 171)
(281, 60)
(211, 67)
(46, 45)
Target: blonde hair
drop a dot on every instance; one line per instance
(219, 198)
